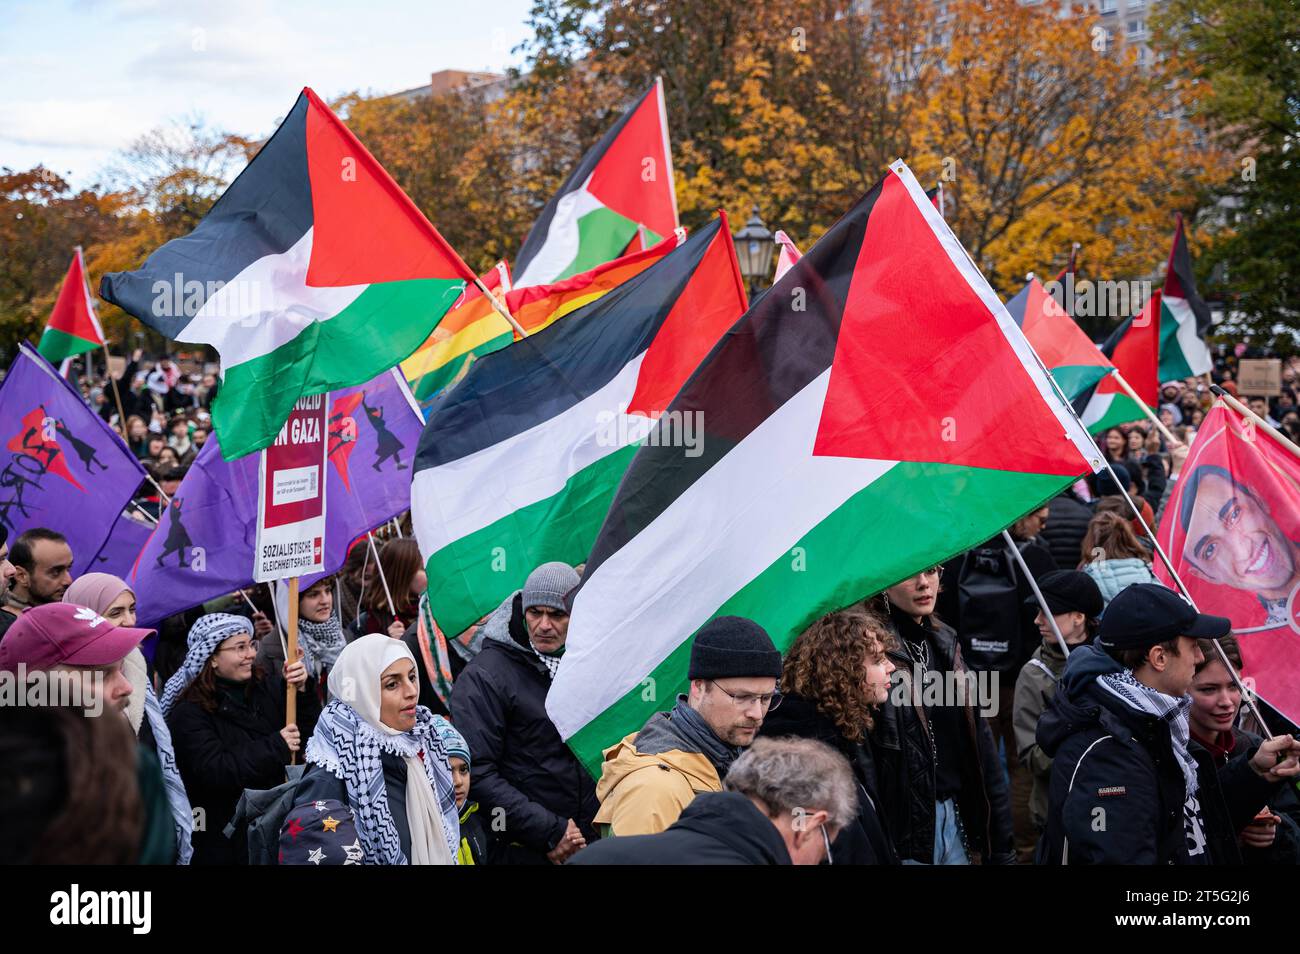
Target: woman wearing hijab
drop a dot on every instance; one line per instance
(227, 719)
(378, 752)
(111, 598)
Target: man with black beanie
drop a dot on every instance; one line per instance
(1125, 788)
(652, 775)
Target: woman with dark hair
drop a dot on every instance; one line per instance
(834, 677)
(1075, 602)
(402, 569)
(1113, 556)
(227, 720)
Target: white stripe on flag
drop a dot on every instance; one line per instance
(462, 496)
(563, 240)
(265, 306)
(1190, 343)
(726, 529)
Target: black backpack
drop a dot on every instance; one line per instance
(990, 609)
(264, 811)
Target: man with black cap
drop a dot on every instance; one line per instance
(531, 789)
(1125, 789)
(652, 775)
(1075, 603)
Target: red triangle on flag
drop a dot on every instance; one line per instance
(635, 175)
(1137, 353)
(366, 229)
(923, 371)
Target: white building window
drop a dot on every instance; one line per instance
(1137, 27)
(1107, 6)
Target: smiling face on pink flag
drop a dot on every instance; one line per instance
(1232, 528)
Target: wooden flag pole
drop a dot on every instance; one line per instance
(500, 308)
(1246, 412)
(1146, 409)
(117, 395)
(291, 656)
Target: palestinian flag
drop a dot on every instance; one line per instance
(620, 194)
(518, 463)
(1184, 317)
(1132, 348)
(74, 327)
(1075, 362)
(898, 419)
(470, 329)
(314, 271)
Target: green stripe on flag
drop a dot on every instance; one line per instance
(842, 561)
(602, 236)
(1121, 409)
(1173, 363)
(1074, 379)
(471, 576)
(378, 329)
(56, 345)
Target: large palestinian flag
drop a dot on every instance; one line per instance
(1075, 362)
(74, 327)
(875, 413)
(314, 271)
(518, 463)
(1184, 317)
(1133, 349)
(620, 194)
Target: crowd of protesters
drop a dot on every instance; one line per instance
(949, 719)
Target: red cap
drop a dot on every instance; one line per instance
(65, 634)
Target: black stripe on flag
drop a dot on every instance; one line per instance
(265, 211)
(531, 381)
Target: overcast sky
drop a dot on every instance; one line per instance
(83, 78)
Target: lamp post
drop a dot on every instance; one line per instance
(754, 250)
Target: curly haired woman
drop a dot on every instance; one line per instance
(834, 676)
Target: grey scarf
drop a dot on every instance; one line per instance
(692, 728)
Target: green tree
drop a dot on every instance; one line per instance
(1242, 58)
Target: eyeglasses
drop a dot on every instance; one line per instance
(827, 838)
(767, 700)
(241, 648)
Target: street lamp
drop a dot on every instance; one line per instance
(754, 251)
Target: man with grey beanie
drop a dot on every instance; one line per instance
(649, 777)
(530, 787)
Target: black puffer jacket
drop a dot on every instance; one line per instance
(866, 841)
(238, 746)
(717, 828)
(905, 766)
(1224, 818)
(1067, 524)
(1118, 794)
(520, 763)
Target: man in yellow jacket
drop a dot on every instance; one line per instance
(652, 775)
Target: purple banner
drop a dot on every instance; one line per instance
(123, 546)
(61, 466)
(203, 547)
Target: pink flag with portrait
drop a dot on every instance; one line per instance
(1232, 529)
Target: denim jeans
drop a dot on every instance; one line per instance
(948, 848)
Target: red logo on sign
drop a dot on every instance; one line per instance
(316, 548)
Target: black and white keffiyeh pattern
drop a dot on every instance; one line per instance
(320, 643)
(1153, 702)
(349, 748)
(207, 633)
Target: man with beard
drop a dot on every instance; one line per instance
(42, 570)
(652, 775)
(1232, 539)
